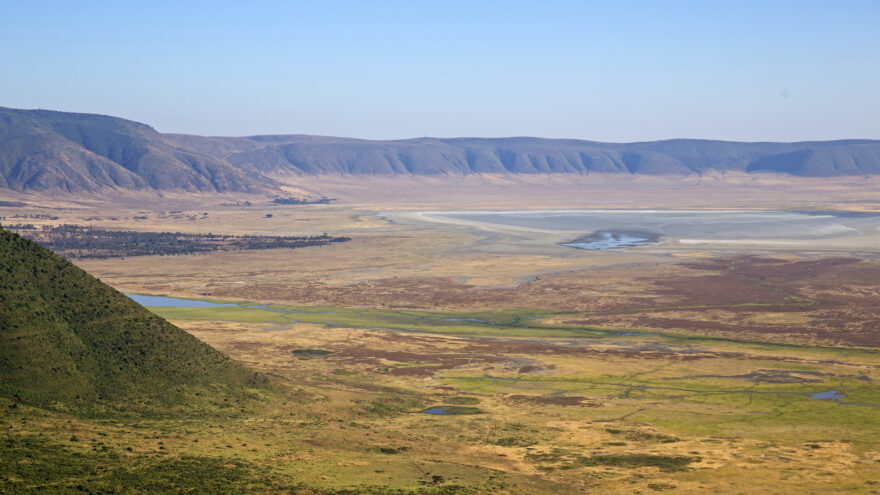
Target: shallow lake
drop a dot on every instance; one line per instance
(606, 239)
(610, 229)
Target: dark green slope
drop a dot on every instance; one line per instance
(70, 342)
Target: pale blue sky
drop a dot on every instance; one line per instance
(608, 71)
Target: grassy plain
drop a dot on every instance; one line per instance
(573, 410)
(683, 369)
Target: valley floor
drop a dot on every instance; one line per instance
(553, 370)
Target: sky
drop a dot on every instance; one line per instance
(615, 71)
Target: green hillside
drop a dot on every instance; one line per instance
(71, 343)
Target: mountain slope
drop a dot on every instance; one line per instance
(71, 342)
(316, 155)
(45, 150)
(42, 149)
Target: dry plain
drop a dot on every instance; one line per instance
(665, 367)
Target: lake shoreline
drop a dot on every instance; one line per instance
(603, 240)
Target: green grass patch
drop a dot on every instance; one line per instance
(388, 406)
(666, 463)
(461, 400)
(515, 322)
(33, 464)
(508, 323)
(570, 460)
(513, 442)
(228, 313)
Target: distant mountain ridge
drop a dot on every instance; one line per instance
(43, 150)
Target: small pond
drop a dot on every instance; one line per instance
(174, 302)
(828, 395)
(451, 410)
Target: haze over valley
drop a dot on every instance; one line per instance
(419, 248)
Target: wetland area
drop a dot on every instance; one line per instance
(470, 352)
(440, 248)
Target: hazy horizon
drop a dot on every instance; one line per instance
(452, 137)
(616, 72)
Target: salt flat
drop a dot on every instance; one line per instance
(796, 230)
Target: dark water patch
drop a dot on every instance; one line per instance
(390, 450)
(836, 396)
(828, 395)
(612, 239)
(312, 352)
(451, 410)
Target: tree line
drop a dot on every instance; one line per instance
(323, 200)
(78, 241)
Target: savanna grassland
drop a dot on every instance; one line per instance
(554, 370)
